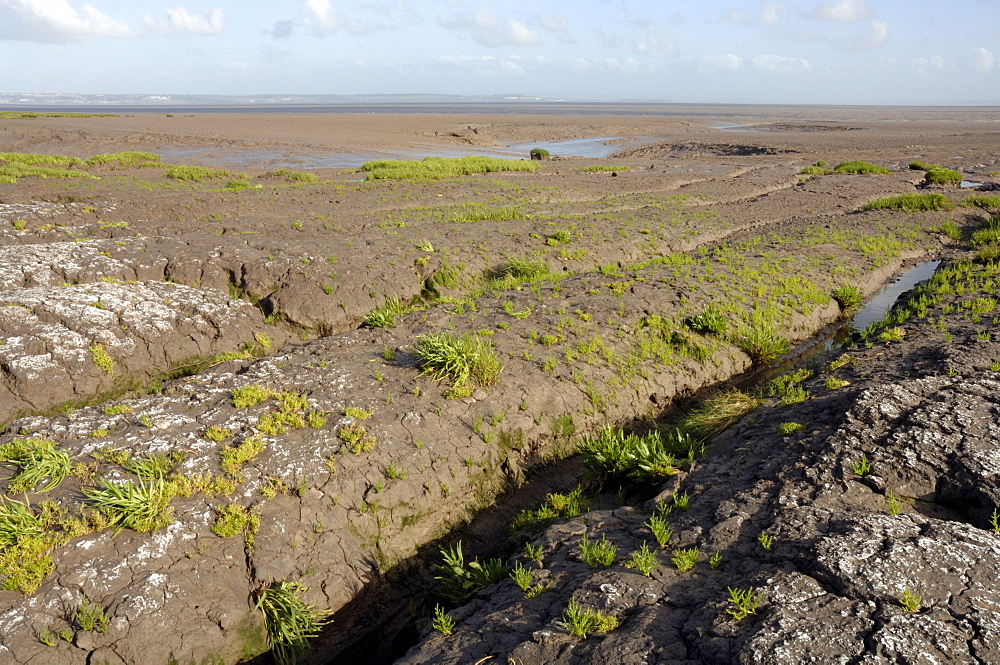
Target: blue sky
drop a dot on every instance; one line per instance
(817, 51)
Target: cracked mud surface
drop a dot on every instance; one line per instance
(167, 277)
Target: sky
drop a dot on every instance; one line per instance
(696, 51)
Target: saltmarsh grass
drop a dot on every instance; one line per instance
(911, 203)
(746, 602)
(458, 358)
(35, 159)
(984, 202)
(761, 341)
(289, 620)
(814, 170)
(199, 173)
(988, 233)
(459, 580)
(648, 457)
(385, 315)
(601, 168)
(433, 168)
(582, 621)
(860, 168)
(523, 270)
(142, 508)
(598, 553)
(39, 461)
(644, 560)
(718, 412)
(125, 158)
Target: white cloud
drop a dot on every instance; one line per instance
(780, 64)
(716, 63)
(56, 22)
(322, 18)
(983, 60)
(768, 13)
(654, 38)
(554, 23)
(198, 24)
(878, 35)
(843, 10)
(488, 29)
(933, 65)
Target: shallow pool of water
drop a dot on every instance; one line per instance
(880, 304)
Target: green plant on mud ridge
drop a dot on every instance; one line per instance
(911, 203)
(711, 320)
(788, 429)
(717, 413)
(142, 508)
(235, 518)
(760, 341)
(460, 580)
(385, 315)
(198, 173)
(892, 503)
(746, 602)
(685, 559)
(644, 560)
(91, 616)
(648, 457)
(814, 170)
(441, 622)
(715, 560)
(357, 439)
(582, 621)
(524, 578)
(848, 297)
(38, 460)
(433, 168)
(99, 354)
(988, 233)
(234, 457)
(909, 601)
(861, 466)
(995, 521)
(950, 229)
(860, 168)
(533, 552)
(288, 620)
(522, 270)
(251, 395)
(766, 540)
(598, 553)
(459, 358)
(662, 531)
(556, 505)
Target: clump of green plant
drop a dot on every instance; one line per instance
(950, 229)
(685, 559)
(434, 168)
(788, 429)
(197, 173)
(237, 519)
(524, 578)
(940, 175)
(459, 580)
(459, 358)
(538, 153)
(909, 601)
(124, 158)
(662, 531)
(99, 354)
(648, 457)
(357, 413)
(848, 297)
(294, 176)
(995, 521)
(860, 168)
(144, 507)
(556, 505)
(718, 412)
(761, 341)
(712, 320)
(989, 232)
(522, 270)
(91, 616)
(356, 438)
(234, 457)
(533, 552)
(288, 620)
(861, 466)
(715, 560)
(746, 602)
(766, 540)
(892, 503)
(911, 203)
(217, 433)
(385, 315)
(251, 395)
(814, 170)
(580, 622)
(39, 461)
(604, 168)
(25, 546)
(598, 553)
(644, 560)
(441, 622)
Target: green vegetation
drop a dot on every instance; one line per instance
(39, 461)
(91, 616)
(984, 202)
(746, 602)
(289, 620)
(787, 429)
(860, 168)
(555, 506)
(142, 508)
(685, 559)
(718, 412)
(861, 466)
(598, 553)
(446, 356)
(538, 153)
(761, 341)
(581, 622)
(237, 519)
(848, 297)
(937, 175)
(523, 270)
(644, 560)
(433, 168)
(649, 457)
(441, 622)
(234, 457)
(950, 229)
(711, 320)
(988, 233)
(250, 395)
(99, 354)
(661, 530)
(199, 173)
(294, 176)
(815, 170)
(385, 315)
(459, 580)
(603, 168)
(356, 438)
(524, 578)
(125, 158)
(911, 203)
(909, 601)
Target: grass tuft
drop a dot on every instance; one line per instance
(912, 203)
(433, 168)
(289, 621)
(443, 355)
(860, 168)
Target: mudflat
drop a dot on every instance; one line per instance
(250, 349)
